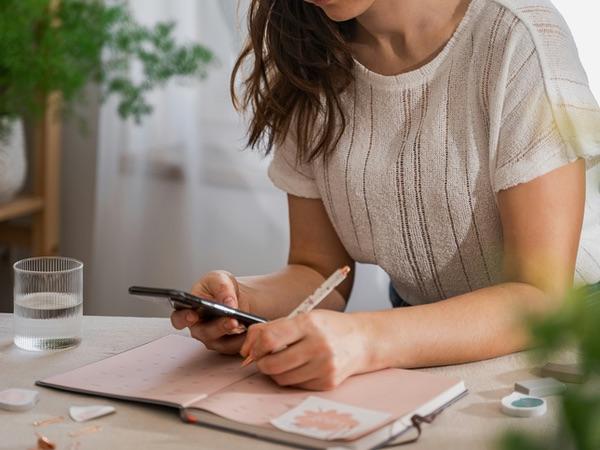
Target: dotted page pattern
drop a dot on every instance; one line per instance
(174, 369)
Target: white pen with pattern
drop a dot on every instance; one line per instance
(313, 300)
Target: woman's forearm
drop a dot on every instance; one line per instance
(277, 294)
(481, 324)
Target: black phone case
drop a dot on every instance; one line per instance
(207, 308)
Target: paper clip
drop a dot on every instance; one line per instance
(86, 430)
(51, 420)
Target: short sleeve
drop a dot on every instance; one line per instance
(549, 115)
(289, 174)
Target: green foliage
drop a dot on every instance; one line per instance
(44, 50)
(576, 325)
(518, 441)
(581, 412)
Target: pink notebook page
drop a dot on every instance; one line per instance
(174, 369)
(257, 399)
(179, 370)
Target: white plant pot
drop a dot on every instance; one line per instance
(13, 163)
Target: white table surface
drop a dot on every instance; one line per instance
(475, 422)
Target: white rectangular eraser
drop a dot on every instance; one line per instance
(569, 373)
(540, 387)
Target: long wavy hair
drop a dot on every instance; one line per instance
(296, 63)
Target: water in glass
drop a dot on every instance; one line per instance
(48, 303)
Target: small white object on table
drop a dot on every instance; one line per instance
(475, 422)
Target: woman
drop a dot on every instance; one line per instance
(446, 141)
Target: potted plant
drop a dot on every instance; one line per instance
(58, 46)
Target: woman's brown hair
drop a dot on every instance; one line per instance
(300, 65)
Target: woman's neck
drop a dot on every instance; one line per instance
(395, 36)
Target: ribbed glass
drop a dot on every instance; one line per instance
(48, 303)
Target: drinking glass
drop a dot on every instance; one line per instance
(48, 303)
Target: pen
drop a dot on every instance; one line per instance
(315, 298)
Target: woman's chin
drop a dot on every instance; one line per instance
(341, 11)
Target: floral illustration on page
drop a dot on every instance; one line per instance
(328, 420)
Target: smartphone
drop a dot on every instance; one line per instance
(208, 309)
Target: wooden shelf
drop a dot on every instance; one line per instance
(20, 206)
(41, 233)
(16, 234)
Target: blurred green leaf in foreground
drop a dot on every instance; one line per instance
(575, 326)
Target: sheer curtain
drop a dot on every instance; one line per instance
(177, 196)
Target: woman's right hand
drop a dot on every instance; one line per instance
(224, 334)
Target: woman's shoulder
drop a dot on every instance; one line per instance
(529, 10)
(528, 49)
(526, 27)
(538, 16)
(510, 35)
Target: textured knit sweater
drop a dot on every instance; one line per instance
(412, 185)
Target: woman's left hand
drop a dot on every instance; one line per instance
(316, 351)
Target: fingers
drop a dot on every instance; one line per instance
(270, 337)
(213, 330)
(251, 336)
(297, 377)
(221, 286)
(224, 335)
(317, 374)
(183, 318)
(299, 366)
(228, 345)
(281, 363)
(216, 335)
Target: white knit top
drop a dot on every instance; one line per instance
(412, 184)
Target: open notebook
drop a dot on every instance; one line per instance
(211, 389)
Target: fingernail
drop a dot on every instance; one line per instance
(239, 330)
(229, 301)
(249, 360)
